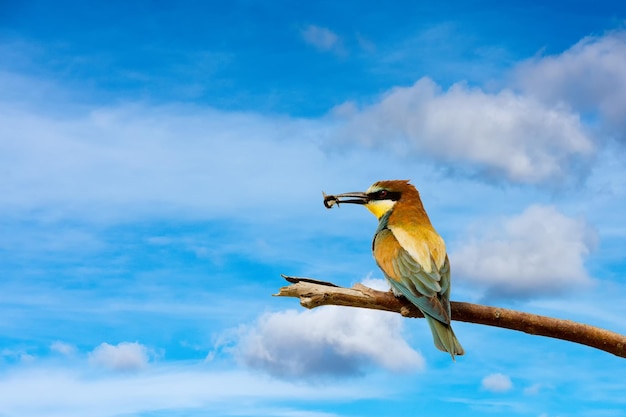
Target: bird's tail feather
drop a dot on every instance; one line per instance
(444, 337)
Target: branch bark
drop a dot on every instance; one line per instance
(313, 293)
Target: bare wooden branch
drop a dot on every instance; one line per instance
(313, 293)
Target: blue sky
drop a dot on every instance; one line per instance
(162, 164)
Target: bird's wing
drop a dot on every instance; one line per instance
(408, 277)
(424, 245)
(444, 296)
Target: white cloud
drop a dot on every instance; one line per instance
(376, 284)
(62, 348)
(540, 252)
(499, 135)
(322, 38)
(589, 77)
(130, 159)
(533, 389)
(18, 355)
(124, 356)
(135, 160)
(327, 341)
(195, 389)
(497, 383)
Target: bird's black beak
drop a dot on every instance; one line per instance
(350, 198)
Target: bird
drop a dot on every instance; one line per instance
(410, 252)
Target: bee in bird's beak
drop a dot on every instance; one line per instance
(349, 198)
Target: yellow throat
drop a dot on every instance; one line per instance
(379, 207)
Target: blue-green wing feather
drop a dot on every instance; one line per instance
(430, 292)
(407, 277)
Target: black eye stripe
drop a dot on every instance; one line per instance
(384, 195)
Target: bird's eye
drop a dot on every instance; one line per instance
(382, 193)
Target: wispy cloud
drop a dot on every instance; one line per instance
(533, 389)
(68, 392)
(111, 162)
(63, 348)
(497, 383)
(327, 341)
(323, 39)
(588, 77)
(17, 355)
(538, 253)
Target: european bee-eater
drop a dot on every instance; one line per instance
(410, 253)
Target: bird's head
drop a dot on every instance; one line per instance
(380, 198)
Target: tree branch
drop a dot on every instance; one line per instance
(313, 293)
